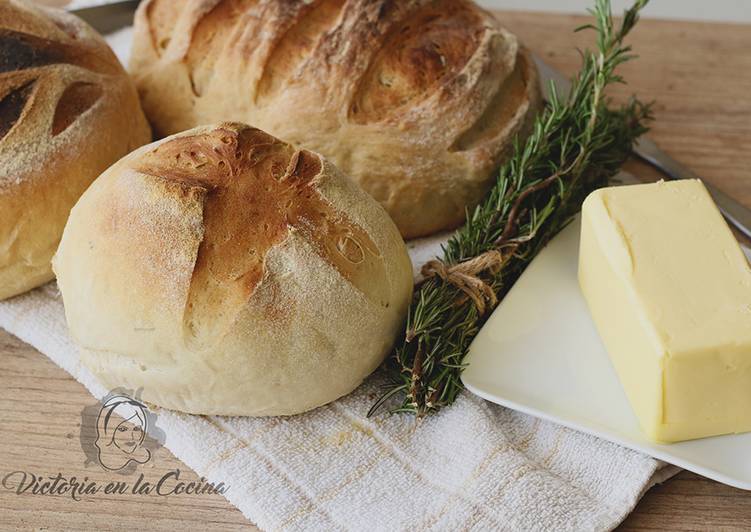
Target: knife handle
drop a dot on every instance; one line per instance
(738, 215)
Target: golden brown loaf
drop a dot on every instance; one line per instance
(67, 111)
(226, 272)
(417, 100)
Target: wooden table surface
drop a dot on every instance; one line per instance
(700, 77)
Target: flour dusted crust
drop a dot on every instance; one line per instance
(226, 272)
(418, 100)
(67, 111)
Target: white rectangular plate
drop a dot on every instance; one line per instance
(540, 353)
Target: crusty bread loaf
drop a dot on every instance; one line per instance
(67, 111)
(226, 272)
(417, 100)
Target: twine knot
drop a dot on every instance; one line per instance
(465, 277)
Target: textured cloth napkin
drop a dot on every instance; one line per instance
(474, 466)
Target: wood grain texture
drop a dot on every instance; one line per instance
(700, 75)
(40, 422)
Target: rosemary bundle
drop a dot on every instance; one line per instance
(577, 144)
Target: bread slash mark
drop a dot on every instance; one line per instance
(12, 106)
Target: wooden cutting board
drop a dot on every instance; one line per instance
(699, 75)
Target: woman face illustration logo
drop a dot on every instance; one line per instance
(121, 428)
(128, 437)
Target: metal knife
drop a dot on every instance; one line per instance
(738, 215)
(110, 17)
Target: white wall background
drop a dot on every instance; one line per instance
(709, 10)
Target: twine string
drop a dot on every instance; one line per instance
(466, 277)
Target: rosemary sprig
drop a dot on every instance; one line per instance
(576, 145)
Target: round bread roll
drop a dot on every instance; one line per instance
(419, 101)
(226, 272)
(67, 111)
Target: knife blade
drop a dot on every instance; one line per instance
(738, 215)
(108, 18)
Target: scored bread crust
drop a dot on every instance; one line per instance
(226, 272)
(419, 101)
(67, 111)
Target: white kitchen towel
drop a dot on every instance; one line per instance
(474, 466)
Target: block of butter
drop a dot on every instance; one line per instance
(670, 293)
